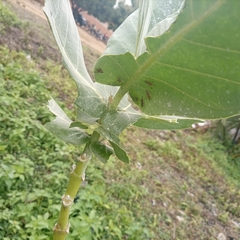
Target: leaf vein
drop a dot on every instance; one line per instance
(210, 46)
(184, 93)
(197, 72)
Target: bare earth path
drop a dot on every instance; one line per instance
(36, 8)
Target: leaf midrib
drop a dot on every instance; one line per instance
(66, 58)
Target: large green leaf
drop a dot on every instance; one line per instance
(60, 127)
(192, 70)
(90, 102)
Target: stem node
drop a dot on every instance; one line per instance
(83, 157)
(83, 176)
(73, 168)
(56, 228)
(66, 200)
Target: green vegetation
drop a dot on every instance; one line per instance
(178, 185)
(8, 18)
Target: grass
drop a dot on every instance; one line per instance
(178, 185)
(187, 178)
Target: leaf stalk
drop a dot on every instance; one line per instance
(113, 105)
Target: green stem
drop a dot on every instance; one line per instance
(77, 176)
(118, 97)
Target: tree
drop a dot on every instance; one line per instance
(119, 14)
(104, 10)
(101, 9)
(135, 4)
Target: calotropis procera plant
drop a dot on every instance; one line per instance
(170, 64)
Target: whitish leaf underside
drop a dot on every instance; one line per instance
(90, 103)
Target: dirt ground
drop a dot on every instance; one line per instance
(35, 8)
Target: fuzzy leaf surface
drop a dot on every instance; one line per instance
(120, 153)
(117, 121)
(192, 70)
(115, 143)
(60, 126)
(102, 152)
(90, 102)
(153, 18)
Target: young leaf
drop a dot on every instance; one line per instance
(102, 152)
(115, 143)
(60, 127)
(116, 121)
(191, 71)
(108, 135)
(120, 153)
